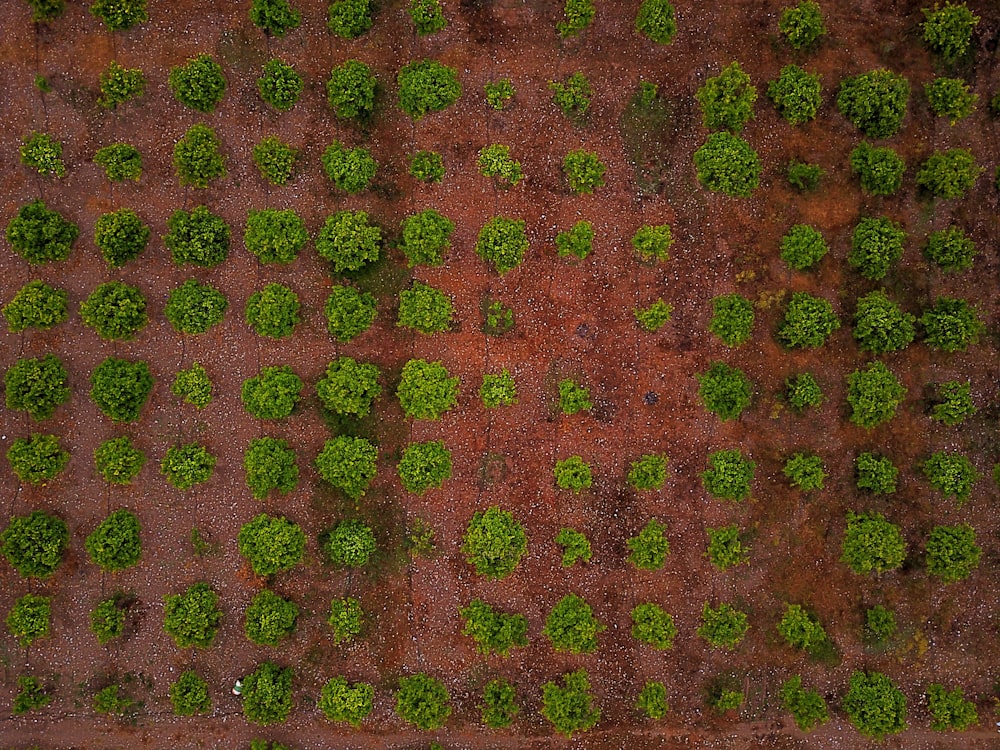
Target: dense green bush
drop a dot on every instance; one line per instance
(493, 631)
(654, 317)
(192, 618)
(572, 96)
(350, 169)
(802, 391)
(575, 547)
(728, 476)
(427, 16)
(572, 474)
(43, 11)
(804, 177)
(275, 159)
(727, 99)
(951, 474)
(35, 305)
(31, 695)
(650, 547)
(494, 543)
(118, 461)
(951, 98)
(952, 553)
(37, 386)
(584, 171)
(649, 472)
(950, 249)
(499, 704)
(350, 90)
(426, 238)
(426, 166)
(39, 235)
(802, 247)
(876, 245)
(270, 465)
(652, 700)
(880, 625)
(880, 169)
(807, 707)
(724, 626)
(873, 393)
(345, 702)
(348, 312)
(875, 102)
(656, 20)
(273, 311)
(951, 325)
(427, 86)
(28, 620)
(119, 15)
(424, 308)
(43, 153)
(578, 13)
(349, 241)
(802, 25)
(425, 390)
(348, 463)
(498, 389)
(950, 709)
(34, 544)
(805, 471)
(280, 85)
(198, 237)
(801, 629)
(949, 174)
(345, 619)
(727, 164)
(880, 326)
(120, 85)
(120, 236)
(872, 544)
(350, 19)
(954, 403)
(570, 708)
(576, 242)
(724, 390)
(267, 694)
(189, 695)
(732, 319)
(194, 307)
(37, 459)
(875, 473)
(495, 161)
(874, 705)
(571, 626)
(187, 464)
(725, 548)
(198, 83)
(275, 235)
(271, 544)
(796, 94)
(116, 311)
(573, 397)
(115, 543)
(499, 93)
(652, 625)
(121, 388)
(349, 387)
(424, 465)
(652, 243)
(502, 242)
(107, 619)
(948, 30)
(422, 701)
(121, 161)
(274, 17)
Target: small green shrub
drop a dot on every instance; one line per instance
(652, 700)
(271, 544)
(198, 237)
(727, 164)
(345, 619)
(494, 543)
(39, 235)
(34, 544)
(874, 705)
(874, 102)
(342, 701)
(728, 476)
(121, 388)
(193, 307)
(880, 326)
(796, 94)
(349, 241)
(502, 242)
(652, 243)
(120, 85)
(809, 321)
(427, 86)
(801, 629)
(425, 389)
(499, 93)
(187, 464)
(273, 311)
(492, 630)
(649, 549)
(874, 394)
(952, 553)
(37, 459)
(807, 707)
(576, 242)
(35, 305)
(654, 317)
(724, 390)
(804, 177)
(584, 171)
(119, 15)
(115, 544)
(802, 25)
(951, 325)
(578, 14)
(116, 311)
(43, 11)
(427, 16)
(949, 174)
(727, 99)
(575, 546)
(950, 709)
(948, 30)
(656, 20)
(572, 96)
(951, 474)
(498, 389)
(349, 387)
(36, 386)
(954, 404)
(495, 161)
(572, 474)
(31, 695)
(112, 700)
(425, 309)
(420, 538)
(274, 17)
(875, 473)
(348, 463)
(724, 626)
(499, 704)
(880, 624)
(198, 84)
(951, 98)
(423, 701)
(498, 318)
(121, 161)
(950, 249)
(573, 397)
(652, 625)
(802, 247)
(571, 626)
(120, 236)
(725, 548)
(872, 544)
(570, 708)
(880, 169)
(275, 236)
(192, 618)
(805, 471)
(349, 19)
(270, 465)
(43, 153)
(280, 85)
(426, 238)
(28, 620)
(350, 169)
(424, 465)
(189, 695)
(267, 694)
(803, 391)
(649, 472)
(426, 166)
(118, 461)
(275, 160)
(732, 319)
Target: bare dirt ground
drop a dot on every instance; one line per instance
(571, 320)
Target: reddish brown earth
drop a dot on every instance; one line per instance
(571, 320)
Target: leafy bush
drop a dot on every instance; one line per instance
(275, 235)
(193, 307)
(427, 86)
(350, 19)
(274, 17)
(425, 390)
(273, 311)
(809, 321)
(807, 707)
(875, 102)
(805, 471)
(949, 174)
(872, 544)
(350, 91)
(576, 242)
(949, 709)
(348, 241)
(120, 85)
(875, 473)
(880, 169)
(43, 11)
(494, 543)
(271, 544)
(803, 177)
(584, 171)
(880, 326)
(652, 625)
(349, 387)
(656, 20)
(267, 694)
(118, 461)
(573, 474)
(499, 93)
(652, 700)
(270, 465)
(189, 695)
(880, 624)
(115, 543)
(499, 704)
(874, 705)
(952, 553)
(579, 14)
(198, 237)
(650, 547)
(426, 238)
(802, 391)
(801, 629)
(423, 701)
(724, 390)
(877, 244)
(654, 317)
(427, 16)
(36, 386)
(350, 169)
(424, 465)
(723, 627)
(115, 310)
(727, 99)
(424, 309)
(107, 619)
(280, 85)
(35, 305)
(570, 708)
(873, 393)
(950, 249)
(187, 464)
(571, 626)
(492, 630)
(572, 96)
(121, 388)
(192, 618)
(802, 25)
(37, 459)
(350, 543)
(345, 702)
(951, 325)
(43, 153)
(502, 242)
(951, 474)
(426, 166)
(955, 403)
(120, 235)
(31, 695)
(652, 243)
(275, 159)
(495, 161)
(119, 15)
(28, 620)
(348, 463)
(198, 83)
(39, 235)
(732, 319)
(121, 161)
(498, 390)
(575, 546)
(802, 247)
(111, 700)
(948, 30)
(727, 164)
(573, 398)
(649, 472)
(725, 548)
(345, 619)
(951, 98)
(796, 94)
(34, 544)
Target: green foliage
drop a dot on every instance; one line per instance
(802, 247)
(875, 102)
(499, 704)
(37, 459)
(120, 85)
(39, 235)
(954, 404)
(949, 174)
(349, 19)
(499, 93)
(115, 543)
(801, 629)
(37, 386)
(115, 310)
(280, 85)
(802, 25)
(572, 474)
(275, 236)
(424, 309)
(426, 238)
(805, 471)
(725, 548)
(652, 243)
(36, 305)
(107, 619)
(724, 390)
(872, 544)
(198, 237)
(345, 619)
(727, 99)
(427, 16)
(584, 171)
(28, 619)
(951, 325)
(267, 694)
(348, 463)
(796, 94)
(348, 241)
(187, 464)
(728, 476)
(31, 695)
(424, 465)
(349, 387)
(270, 464)
(575, 546)
(571, 626)
(43, 153)
(951, 98)
(121, 388)
(650, 547)
(950, 249)
(656, 20)
(802, 391)
(573, 398)
(498, 389)
(732, 319)
(119, 15)
(425, 390)
(198, 84)
(498, 318)
(873, 393)
(880, 169)
(807, 707)
(494, 542)
(273, 311)
(350, 169)
(652, 625)
(722, 698)
(654, 317)
(727, 164)
(427, 86)
(43, 11)
(880, 624)
(809, 321)
(426, 166)
(273, 394)
(803, 177)
(350, 91)
(952, 553)
(422, 701)
(110, 700)
(271, 544)
(951, 474)
(344, 702)
(274, 17)
(192, 618)
(34, 544)
(880, 326)
(570, 708)
(579, 14)
(348, 312)
(572, 96)
(492, 630)
(948, 30)
(350, 543)
(189, 695)
(502, 242)
(269, 618)
(649, 472)
(420, 538)
(275, 159)
(194, 307)
(652, 700)
(121, 161)
(120, 235)
(950, 709)
(495, 161)
(875, 473)
(577, 242)
(874, 705)
(118, 461)
(723, 627)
